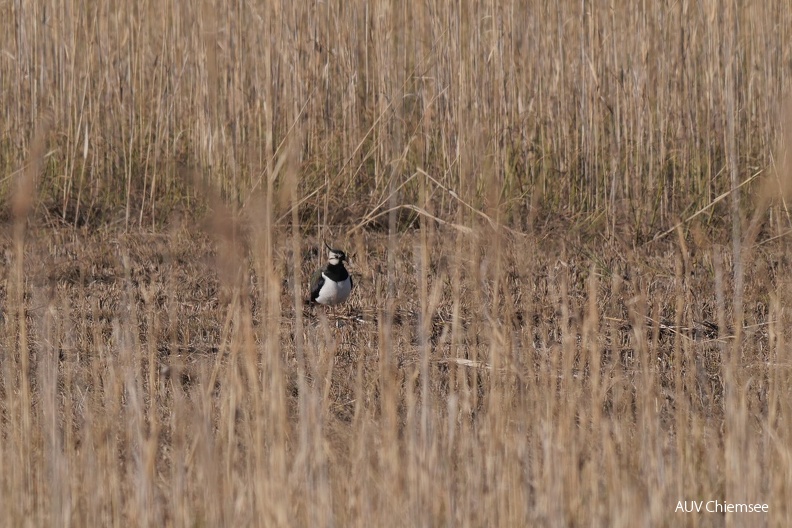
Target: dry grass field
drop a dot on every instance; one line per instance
(568, 229)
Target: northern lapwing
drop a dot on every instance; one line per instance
(332, 284)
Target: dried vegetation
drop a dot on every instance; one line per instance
(568, 230)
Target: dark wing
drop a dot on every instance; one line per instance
(317, 281)
(351, 282)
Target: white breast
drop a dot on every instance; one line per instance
(334, 292)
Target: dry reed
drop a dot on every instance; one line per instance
(567, 223)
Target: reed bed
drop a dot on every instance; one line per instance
(567, 224)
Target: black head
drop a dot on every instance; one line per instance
(335, 256)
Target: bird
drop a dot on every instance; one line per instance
(332, 284)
